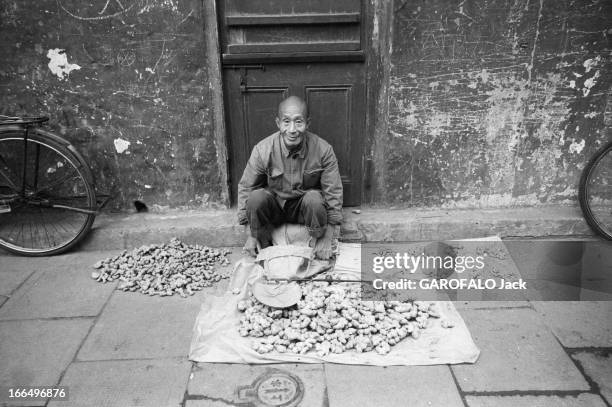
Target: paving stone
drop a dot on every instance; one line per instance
(578, 323)
(10, 263)
(498, 264)
(10, 280)
(598, 366)
(64, 289)
(19, 264)
(391, 386)
(125, 383)
(582, 400)
(517, 353)
(215, 383)
(138, 326)
(35, 353)
(564, 270)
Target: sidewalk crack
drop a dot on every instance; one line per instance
(208, 398)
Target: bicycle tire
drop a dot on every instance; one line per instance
(595, 192)
(62, 178)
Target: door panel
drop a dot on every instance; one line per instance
(250, 119)
(292, 7)
(271, 35)
(284, 30)
(331, 116)
(259, 106)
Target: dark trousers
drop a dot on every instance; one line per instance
(264, 214)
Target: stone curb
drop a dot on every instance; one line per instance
(219, 227)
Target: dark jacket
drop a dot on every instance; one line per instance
(290, 175)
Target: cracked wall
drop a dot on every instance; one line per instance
(495, 102)
(127, 84)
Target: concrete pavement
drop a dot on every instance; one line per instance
(111, 348)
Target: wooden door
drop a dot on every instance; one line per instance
(312, 49)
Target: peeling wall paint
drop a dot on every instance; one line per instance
(589, 83)
(121, 145)
(577, 147)
(496, 102)
(58, 63)
(127, 84)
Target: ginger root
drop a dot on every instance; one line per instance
(331, 318)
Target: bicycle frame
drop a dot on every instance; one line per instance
(25, 128)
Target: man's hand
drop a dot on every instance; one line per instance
(252, 246)
(323, 246)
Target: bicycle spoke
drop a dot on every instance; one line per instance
(59, 226)
(12, 178)
(38, 229)
(43, 230)
(12, 231)
(7, 179)
(41, 217)
(30, 224)
(55, 183)
(36, 233)
(21, 231)
(36, 165)
(66, 231)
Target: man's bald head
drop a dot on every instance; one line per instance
(293, 103)
(292, 121)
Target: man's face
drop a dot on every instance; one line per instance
(292, 124)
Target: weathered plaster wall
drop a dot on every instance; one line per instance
(127, 83)
(495, 102)
(491, 102)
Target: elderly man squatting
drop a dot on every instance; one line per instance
(292, 176)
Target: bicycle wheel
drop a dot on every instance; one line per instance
(595, 192)
(49, 206)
